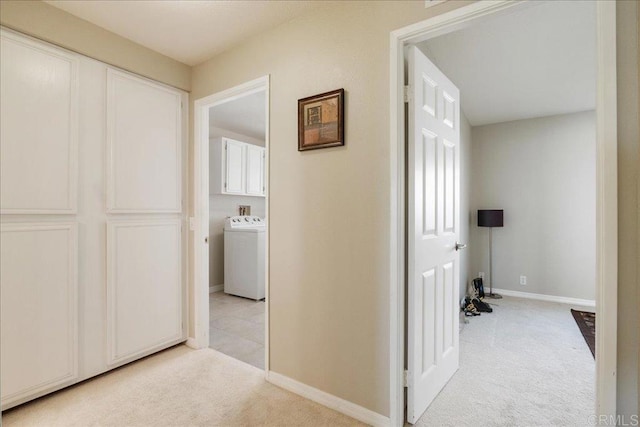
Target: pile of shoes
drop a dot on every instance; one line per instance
(469, 309)
(474, 305)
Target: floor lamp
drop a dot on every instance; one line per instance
(491, 218)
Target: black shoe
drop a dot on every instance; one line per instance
(478, 286)
(482, 306)
(471, 310)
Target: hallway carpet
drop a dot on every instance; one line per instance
(177, 387)
(525, 364)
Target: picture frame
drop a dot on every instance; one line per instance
(321, 121)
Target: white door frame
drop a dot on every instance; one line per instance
(606, 192)
(200, 222)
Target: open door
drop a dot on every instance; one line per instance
(433, 268)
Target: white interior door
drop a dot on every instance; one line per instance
(145, 261)
(433, 228)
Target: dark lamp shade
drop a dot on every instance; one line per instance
(491, 218)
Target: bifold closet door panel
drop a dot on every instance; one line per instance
(144, 146)
(144, 286)
(39, 318)
(38, 112)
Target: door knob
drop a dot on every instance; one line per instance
(206, 240)
(460, 246)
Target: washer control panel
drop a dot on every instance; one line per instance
(244, 221)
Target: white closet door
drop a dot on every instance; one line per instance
(255, 173)
(234, 167)
(144, 140)
(39, 314)
(39, 129)
(144, 286)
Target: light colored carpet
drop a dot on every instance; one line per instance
(525, 364)
(177, 387)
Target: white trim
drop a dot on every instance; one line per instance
(364, 415)
(606, 212)
(200, 284)
(606, 199)
(543, 297)
(215, 288)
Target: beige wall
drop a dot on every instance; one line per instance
(329, 208)
(56, 26)
(628, 46)
(542, 172)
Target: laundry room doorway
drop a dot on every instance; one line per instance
(231, 223)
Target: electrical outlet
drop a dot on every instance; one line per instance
(481, 275)
(523, 280)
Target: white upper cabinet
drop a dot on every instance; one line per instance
(144, 150)
(234, 161)
(254, 156)
(38, 112)
(236, 168)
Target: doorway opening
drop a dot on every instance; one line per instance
(599, 120)
(231, 222)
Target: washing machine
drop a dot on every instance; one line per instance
(244, 251)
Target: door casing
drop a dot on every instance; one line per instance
(199, 222)
(606, 192)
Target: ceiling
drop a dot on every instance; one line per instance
(188, 31)
(245, 116)
(536, 62)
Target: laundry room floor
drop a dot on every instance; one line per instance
(236, 327)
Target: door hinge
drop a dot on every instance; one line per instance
(192, 223)
(405, 378)
(407, 93)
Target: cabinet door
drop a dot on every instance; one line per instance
(255, 170)
(234, 167)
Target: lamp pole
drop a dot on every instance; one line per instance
(491, 294)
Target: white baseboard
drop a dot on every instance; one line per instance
(364, 415)
(215, 288)
(542, 297)
(192, 343)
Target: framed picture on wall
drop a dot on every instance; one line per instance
(321, 121)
